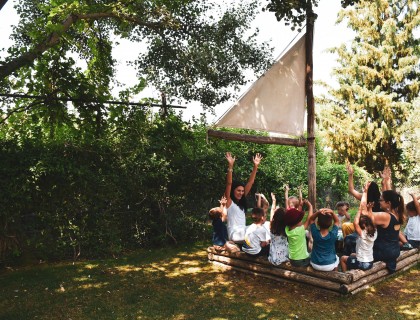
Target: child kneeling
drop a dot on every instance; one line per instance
(257, 237)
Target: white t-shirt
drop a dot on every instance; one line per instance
(236, 223)
(364, 247)
(412, 229)
(255, 233)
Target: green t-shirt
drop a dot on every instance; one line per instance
(297, 243)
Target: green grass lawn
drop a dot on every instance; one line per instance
(179, 283)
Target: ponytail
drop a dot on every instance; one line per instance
(397, 202)
(401, 210)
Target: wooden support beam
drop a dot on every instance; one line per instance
(310, 104)
(300, 142)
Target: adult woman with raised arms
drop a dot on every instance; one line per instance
(235, 194)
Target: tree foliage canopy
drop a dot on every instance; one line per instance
(194, 49)
(379, 79)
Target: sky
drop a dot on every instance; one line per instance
(327, 35)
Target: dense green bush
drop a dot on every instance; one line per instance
(143, 181)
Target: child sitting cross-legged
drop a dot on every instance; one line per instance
(218, 216)
(257, 237)
(323, 255)
(366, 230)
(296, 235)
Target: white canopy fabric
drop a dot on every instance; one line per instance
(276, 101)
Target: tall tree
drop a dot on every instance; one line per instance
(379, 78)
(195, 49)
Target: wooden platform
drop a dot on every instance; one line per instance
(349, 282)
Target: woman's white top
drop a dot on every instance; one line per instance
(236, 222)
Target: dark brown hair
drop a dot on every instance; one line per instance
(365, 223)
(215, 213)
(277, 225)
(257, 214)
(397, 202)
(324, 221)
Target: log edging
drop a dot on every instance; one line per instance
(349, 282)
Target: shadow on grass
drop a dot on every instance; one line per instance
(179, 283)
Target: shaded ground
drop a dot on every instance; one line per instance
(180, 284)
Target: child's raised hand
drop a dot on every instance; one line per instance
(223, 201)
(306, 201)
(349, 168)
(257, 159)
(286, 187)
(273, 196)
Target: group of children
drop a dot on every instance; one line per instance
(285, 237)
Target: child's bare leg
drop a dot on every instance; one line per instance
(343, 263)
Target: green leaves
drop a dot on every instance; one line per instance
(377, 88)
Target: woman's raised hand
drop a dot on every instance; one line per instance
(257, 159)
(230, 159)
(386, 173)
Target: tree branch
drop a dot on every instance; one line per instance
(54, 38)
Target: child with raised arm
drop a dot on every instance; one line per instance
(292, 202)
(412, 229)
(296, 235)
(218, 216)
(262, 202)
(323, 255)
(366, 229)
(257, 238)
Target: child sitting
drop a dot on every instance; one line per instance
(363, 258)
(296, 235)
(367, 234)
(257, 238)
(279, 248)
(323, 255)
(218, 215)
(343, 216)
(412, 229)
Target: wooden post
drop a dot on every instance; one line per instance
(164, 109)
(310, 105)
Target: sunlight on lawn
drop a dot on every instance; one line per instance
(93, 285)
(407, 311)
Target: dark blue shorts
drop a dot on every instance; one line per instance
(414, 243)
(353, 263)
